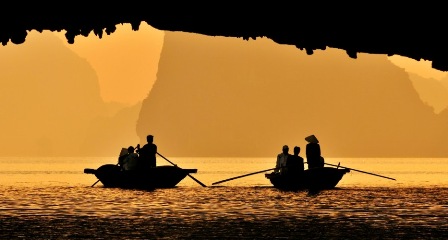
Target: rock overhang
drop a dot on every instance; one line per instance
(359, 29)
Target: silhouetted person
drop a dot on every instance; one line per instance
(295, 163)
(147, 153)
(313, 154)
(130, 162)
(282, 158)
(123, 154)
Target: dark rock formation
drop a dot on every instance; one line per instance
(413, 30)
(51, 104)
(233, 98)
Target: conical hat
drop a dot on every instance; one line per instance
(312, 139)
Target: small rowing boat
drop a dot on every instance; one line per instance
(311, 179)
(112, 176)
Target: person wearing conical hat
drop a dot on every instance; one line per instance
(313, 153)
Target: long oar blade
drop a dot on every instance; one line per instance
(361, 171)
(200, 183)
(95, 183)
(245, 175)
(197, 180)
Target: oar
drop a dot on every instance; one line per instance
(99, 180)
(245, 175)
(95, 183)
(360, 171)
(188, 174)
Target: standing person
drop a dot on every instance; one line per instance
(147, 153)
(295, 163)
(313, 153)
(282, 158)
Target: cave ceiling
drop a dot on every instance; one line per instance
(417, 34)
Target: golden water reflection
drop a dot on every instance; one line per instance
(426, 172)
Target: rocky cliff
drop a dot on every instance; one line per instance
(51, 104)
(218, 96)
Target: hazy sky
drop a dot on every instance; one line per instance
(126, 61)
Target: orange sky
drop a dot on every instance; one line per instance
(126, 61)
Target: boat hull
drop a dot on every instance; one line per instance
(111, 176)
(310, 179)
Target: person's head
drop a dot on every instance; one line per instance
(296, 150)
(150, 138)
(285, 149)
(131, 149)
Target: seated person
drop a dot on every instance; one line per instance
(123, 154)
(282, 158)
(130, 162)
(295, 163)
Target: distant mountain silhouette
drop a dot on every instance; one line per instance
(431, 91)
(51, 104)
(106, 135)
(226, 97)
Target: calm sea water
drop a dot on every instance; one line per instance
(51, 198)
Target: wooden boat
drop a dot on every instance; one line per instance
(112, 176)
(311, 179)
